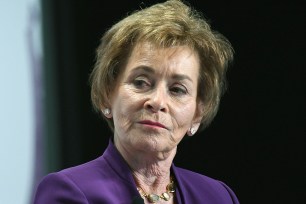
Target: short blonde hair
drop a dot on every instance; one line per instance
(167, 24)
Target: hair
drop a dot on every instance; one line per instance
(167, 24)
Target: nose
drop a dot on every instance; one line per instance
(157, 100)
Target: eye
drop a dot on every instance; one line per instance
(141, 82)
(178, 90)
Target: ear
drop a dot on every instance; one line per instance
(196, 122)
(107, 113)
(106, 110)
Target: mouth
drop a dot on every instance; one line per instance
(152, 124)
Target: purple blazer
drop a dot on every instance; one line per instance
(109, 180)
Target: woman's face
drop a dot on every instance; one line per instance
(154, 102)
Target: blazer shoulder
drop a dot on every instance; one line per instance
(92, 165)
(69, 184)
(57, 188)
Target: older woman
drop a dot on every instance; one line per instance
(159, 76)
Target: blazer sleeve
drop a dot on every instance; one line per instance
(57, 188)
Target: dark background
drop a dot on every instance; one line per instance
(256, 144)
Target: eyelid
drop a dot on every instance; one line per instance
(141, 82)
(143, 78)
(181, 86)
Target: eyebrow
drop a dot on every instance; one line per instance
(144, 68)
(150, 70)
(181, 77)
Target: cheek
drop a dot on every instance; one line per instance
(184, 115)
(126, 104)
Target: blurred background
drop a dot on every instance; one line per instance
(256, 144)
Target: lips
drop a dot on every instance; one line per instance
(152, 123)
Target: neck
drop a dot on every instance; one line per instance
(151, 170)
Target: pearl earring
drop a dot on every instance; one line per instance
(106, 111)
(191, 131)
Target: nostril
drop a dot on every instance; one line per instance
(151, 108)
(148, 106)
(163, 109)
(155, 108)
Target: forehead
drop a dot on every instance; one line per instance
(176, 58)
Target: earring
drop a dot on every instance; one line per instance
(106, 111)
(191, 131)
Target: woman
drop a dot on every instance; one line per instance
(159, 76)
